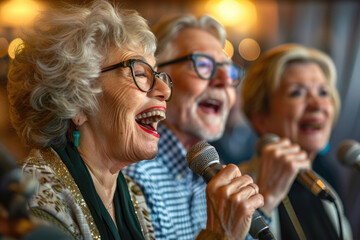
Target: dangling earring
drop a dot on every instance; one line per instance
(76, 137)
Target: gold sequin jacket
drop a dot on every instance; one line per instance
(59, 201)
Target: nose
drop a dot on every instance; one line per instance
(314, 102)
(161, 90)
(221, 78)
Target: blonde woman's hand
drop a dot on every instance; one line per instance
(279, 164)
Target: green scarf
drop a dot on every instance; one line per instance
(126, 219)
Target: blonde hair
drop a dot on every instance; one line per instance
(55, 75)
(167, 29)
(264, 76)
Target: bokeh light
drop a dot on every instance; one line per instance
(15, 13)
(249, 49)
(4, 44)
(15, 45)
(229, 48)
(240, 14)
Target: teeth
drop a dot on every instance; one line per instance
(151, 116)
(212, 101)
(312, 125)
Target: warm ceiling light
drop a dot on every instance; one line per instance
(16, 13)
(241, 14)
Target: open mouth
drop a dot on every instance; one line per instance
(311, 126)
(149, 120)
(211, 105)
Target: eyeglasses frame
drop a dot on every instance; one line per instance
(130, 63)
(193, 57)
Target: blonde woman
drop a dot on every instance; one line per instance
(291, 91)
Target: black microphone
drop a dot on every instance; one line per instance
(306, 177)
(348, 154)
(15, 190)
(203, 159)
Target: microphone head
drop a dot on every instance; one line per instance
(265, 139)
(200, 156)
(348, 153)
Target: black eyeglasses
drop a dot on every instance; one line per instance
(143, 74)
(206, 67)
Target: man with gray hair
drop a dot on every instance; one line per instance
(190, 50)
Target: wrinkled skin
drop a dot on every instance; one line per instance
(231, 202)
(111, 138)
(113, 132)
(191, 121)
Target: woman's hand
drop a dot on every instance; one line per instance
(231, 202)
(280, 162)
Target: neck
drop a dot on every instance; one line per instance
(103, 176)
(105, 185)
(104, 168)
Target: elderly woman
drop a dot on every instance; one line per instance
(85, 96)
(291, 91)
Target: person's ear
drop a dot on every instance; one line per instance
(79, 119)
(258, 121)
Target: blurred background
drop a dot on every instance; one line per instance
(253, 26)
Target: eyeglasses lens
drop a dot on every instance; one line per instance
(233, 72)
(204, 67)
(143, 75)
(165, 78)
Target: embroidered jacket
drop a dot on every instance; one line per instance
(58, 199)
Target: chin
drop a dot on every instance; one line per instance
(151, 152)
(314, 148)
(216, 133)
(210, 131)
(153, 156)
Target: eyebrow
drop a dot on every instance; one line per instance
(227, 58)
(137, 57)
(143, 59)
(302, 85)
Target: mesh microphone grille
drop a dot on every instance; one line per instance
(200, 156)
(348, 152)
(265, 139)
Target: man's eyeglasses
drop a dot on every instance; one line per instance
(206, 67)
(143, 74)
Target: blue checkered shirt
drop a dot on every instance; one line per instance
(174, 194)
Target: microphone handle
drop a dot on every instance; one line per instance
(315, 185)
(258, 228)
(306, 177)
(211, 171)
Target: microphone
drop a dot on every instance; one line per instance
(306, 177)
(15, 189)
(203, 159)
(348, 154)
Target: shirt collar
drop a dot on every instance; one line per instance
(172, 153)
